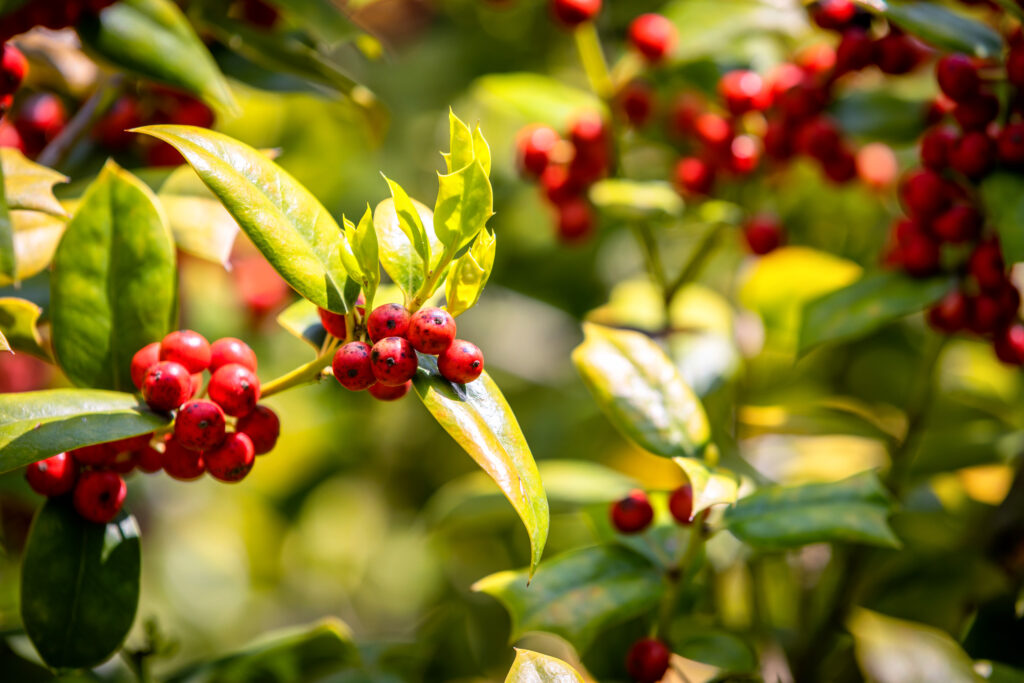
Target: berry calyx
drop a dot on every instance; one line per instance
(393, 360)
(383, 392)
(230, 350)
(144, 359)
(53, 476)
(431, 330)
(180, 462)
(462, 362)
(232, 460)
(166, 385)
(199, 425)
(235, 388)
(653, 36)
(389, 320)
(633, 513)
(262, 426)
(648, 660)
(680, 504)
(99, 495)
(334, 323)
(187, 348)
(572, 13)
(352, 366)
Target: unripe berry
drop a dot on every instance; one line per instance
(352, 366)
(572, 13)
(188, 348)
(53, 476)
(462, 362)
(181, 463)
(262, 426)
(653, 36)
(959, 224)
(977, 112)
(1009, 345)
(925, 194)
(950, 314)
(743, 91)
(958, 77)
(636, 101)
(144, 359)
(680, 504)
(575, 220)
(973, 155)
(99, 495)
(235, 388)
(987, 266)
(535, 144)
(394, 360)
(383, 392)
(166, 386)
(694, 176)
(230, 350)
(648, 660)
(389, 320)
(232, 460)
(431, 330)
(334, 323)
(1011, 144)
(763, 234)
(633, 513)
(936, 145)
(199, 425)
(13, 67)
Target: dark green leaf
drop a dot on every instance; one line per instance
(480, 420)
(641, 392)
(720, 649)
(632, 200)
(868, 304)
(153, 39)
(322, 19)
(941, 27)
(533, 667)
(80, 585)
(284, 220)
(19, 324)
(303, 320)
(578, 594)
(37, 424)
(853, 510)
(1002, 194)
(113, 288)
(880, 115)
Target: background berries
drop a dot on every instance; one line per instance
(572, 13)
(633, 513)
(648, 660)
(653, 36)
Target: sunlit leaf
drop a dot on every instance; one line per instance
(199, 222)
(460, 144)
(303, 320)
(464, 204)
(19, 320)
(36, 236)
(410, 223)
(534, 97)
(711, 485)
(29, 186)
(533, 667)
(636, 200)
(397, 254)
(469, 274)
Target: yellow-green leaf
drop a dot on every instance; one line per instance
(534, 667)
(711, 485)
(409, 221)
(398, 256)
(464, 204)
(199, 222)
(469, 274)
(36, 236)
(28, 185)
(461, 144)
(19, 320)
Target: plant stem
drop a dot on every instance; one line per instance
(430, 284)
(652, 254)
(106, 93)
(588, 45)
(696, 261)
(310, 372)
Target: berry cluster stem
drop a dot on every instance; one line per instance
(588, 45)
(430, 284)
(304, 374)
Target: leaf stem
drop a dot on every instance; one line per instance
(304, 374)
(588, 45)
(430, 284)
(652, 254)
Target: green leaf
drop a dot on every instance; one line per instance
(37, 424)
(853, 510)
(397, 254)
(480, 420)
(322, 19)
(533, 667)
(464, 204)
(941, 27)
(1002, 195)
(304, 653)
(113, 288)
(363, 241)
(79, 585)
(633, 200)
(19, 321)
(461, 144)
(641, 392)
(36, 236)
(29, 186)
(410, 222)
(303, 320)
(8, 257)
(895, 651)
(880, 115)
(720, 649)
(578, 594)
(870, 303)
(284, 220)
(711, 485)
(481, 150)
(199, 222)
(153, 39)
(469, 274)
(532, 97)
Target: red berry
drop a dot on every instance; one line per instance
(685, 110)
(13, 67)
(182, 463)
(803, 101)
(648, 660)
(123, 462)
(40, 118)
(132, 443)
(230, 350)
(744, 154)
(653, 36)
(431, 330)
(588, 134)
(925, 194)
(536, 143)
(763, 234)
(984, 314)
(389, 320)
(383, 392)
(1011, 144)
(262, 426)
(166, 385)
(462, 362)
(680, 504)
(950, 314)
(199, 425)
(572, 13)
(973, 154)
(876, 164)
(235, 388)
(633, 513)
(352, 366)
(1015, 65)
(232, 460)
(575, 220)
(833, 15)
(187, 348)
(149, 459)
(99, 495)
(743, 91)
(9, 136)
(958, 77)
(259, 13)
(921, 256)
(588, 166)
(987, 266)
(936, 145)
(144, 359)
(1009, 345)
(977, 112)
(959, 224)
(856, 51)
(778, 141)
(896, 53)
(334, 323)
(819, 138)
(95, 455)
(841, 167)
(394, 360)
(694, 176)
(53, 476)
(558, 185)
(636, 101)
(714, 131)
(112, 129)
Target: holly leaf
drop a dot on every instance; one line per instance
(461, 144)
(941, 27)
(896, 651)
(303, 320)
(410, 222)
(534, 667)
(464, 204)
(1002, 195)
(469, 274)
(200, 224)
(19, 320)
(28, 186)
(113, 287)
(79, 585)
(36, 236)
(711, 485)
(480, 420)
(398, 256)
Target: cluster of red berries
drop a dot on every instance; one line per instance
(386, 367)
(52, 14)
(170, 374)
(634, 513)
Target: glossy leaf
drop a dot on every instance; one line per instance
(721, 649)
(578, 594)
(896, 651)
(397, 254)
(29, 186)
(199, 222)
(304, 653)
(113, 288)
(873, 301)
(481, 150)
(464, 204)
(460, 144)
(19, 321)
(853, 510)
(303, 320)
(711, 485)
(80, 585)
(632, 200)
(284, 220)
(640, 390)
(534, 667)
(1002, 195)
(363, 241)
(480, 420)
(469, 274)
(942, 28)
(410, 222)
(37, 424)
(36, 236)
(152, 38)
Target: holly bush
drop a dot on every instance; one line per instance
(756, 314)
